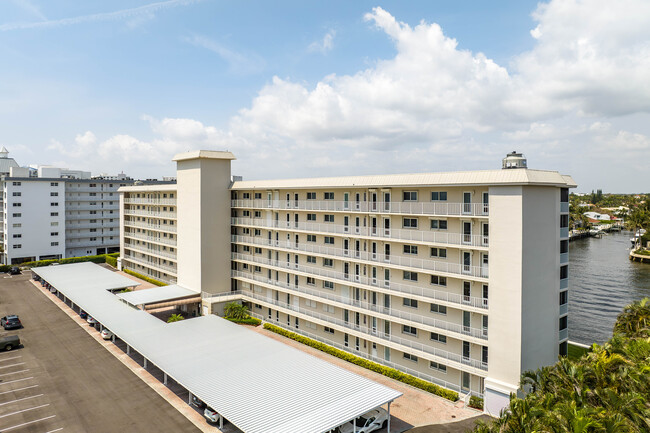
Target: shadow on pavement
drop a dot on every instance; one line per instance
(464, 426)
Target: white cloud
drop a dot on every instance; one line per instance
(238, 62)
(325, 45)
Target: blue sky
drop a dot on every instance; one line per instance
(299, 88)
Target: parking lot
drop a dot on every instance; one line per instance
(62, 380)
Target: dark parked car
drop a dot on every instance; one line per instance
(83, 314)
(9, 342)
(14, 270)
(10, 322)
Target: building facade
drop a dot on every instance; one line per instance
(458, 278)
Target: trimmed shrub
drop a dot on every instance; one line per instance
(248, 321)
(5, 268)
(145, 278)
(362, 362)
(476, 402)
(39, 263)
(111, 261)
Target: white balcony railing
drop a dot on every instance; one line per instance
(409, 208)
(150, 213)
(154, 239)
(351, 279)
(564, 334)
(151, 201)
(158, 227)
(150, 264)
(448, 328)
(379, 259)
(150, 251)
(438, 237)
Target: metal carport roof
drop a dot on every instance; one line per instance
(157, 294)
(257, 383)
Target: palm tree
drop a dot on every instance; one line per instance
(175, 318)
(237, 311)
(634, 321)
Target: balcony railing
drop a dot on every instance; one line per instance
(448, 328)
(152, 265)
(104, 243)
(158, 227)
(380, 259)
(351, 279)
(564, 258)
(372, 334)
(564, 309)
(439, 237)
(410, 208)
(98, 225)
(97, 234)
(564, 334)
(150, 251)
(150, 213)
(154, 239)
(97, 206)
(151, 201)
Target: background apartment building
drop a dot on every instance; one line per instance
(51, 213)
(5, 165)
(457, 278)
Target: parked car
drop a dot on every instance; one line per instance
(211, 415)
(368, 422)
(106, 334)
(15, 270)
(9, 342)
(198, 403)
(91, 321)
(83, 314)
(10, 322)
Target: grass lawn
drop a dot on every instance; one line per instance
(576, 352)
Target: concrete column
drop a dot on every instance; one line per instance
(220, 422)
(145, 363)
(189, 398)
(113, 338)
(388, 427)
(128, 349)
(164, 378)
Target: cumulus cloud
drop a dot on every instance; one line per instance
(326, 44)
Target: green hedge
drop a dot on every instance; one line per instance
(248, 321)
(111, 261)
(144, 277)
(39, 263)
(476, 402)
(5, 268)
(378, 368)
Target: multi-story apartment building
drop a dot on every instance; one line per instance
(458, 278)
(5, 165)
(52, 213)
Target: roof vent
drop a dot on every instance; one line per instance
(514, 160)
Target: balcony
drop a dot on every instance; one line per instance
(150, 251)
(158, 227)
(407, 208)
(98, 225)
(371, 283)
(564, 309)
(153, 239)
(373, 258)
(149, 264)
(150, 213)
(564, 232)
(97, 206)
(430, 236)
(564, 258)
(564, 334)
(448, 328)
(97, 234)
(564, 207)
(105, 243)
(564, 283)
(151, 201)
(367, 332)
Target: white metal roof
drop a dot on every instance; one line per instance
(157, 294)
(257, 383)
(484, 177)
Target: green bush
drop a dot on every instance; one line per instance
(377, 368)
(476, 402)
(5, 268)
(145, 278)
(39, 263)
(248, 321)
(111, 260)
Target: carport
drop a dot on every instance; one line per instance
(258, 384)
(164, 296)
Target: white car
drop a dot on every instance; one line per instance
(368, 422)
(211, 415)
(106, 334)
(91, 321)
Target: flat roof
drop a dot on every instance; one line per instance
(205, 154)
(167, 186)
(157, 294)
(459, 178)
(258, 384)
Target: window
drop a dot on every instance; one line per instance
(328, 196)
(258, 250)
(16, 183)
(410, 330)
(17, 235)
(18, 225)
(410, 249)
(328, 285)
(329, 240)
(92, 185)
(563, 322)
(54, 233)
(564, 195)
(54, 194)
(17, 194)
(17, 215)
(17, 246)
(246, 195)
(310, 303)
(465, 349)
(564, 246)
(439, 224)
(311, 238)
(328, 262)
(564, 272)
(54, 183)
(93, 212)
(439, 196)
(246, 248)
(328, 330)
(94, 194)
(411, 276)
(54, 244)
(410, 357)
(329, 218)
(258, 214)
(311, 281)
(311, 217)
(258, 232)
(311, 259)
(408, 302)
(56, 204)
(258, 195)
(17, 204)
(437, 366)
(410, 196)
(311, 196)
(54, 223)
(440, 309)
(328, 308)
(410, 223)
(246, 213)
(438, 281)
(93, 230)
(257, 269)
(564, 221)
(439, 252)
(439, 338)
(564, 297)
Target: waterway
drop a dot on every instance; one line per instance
(602, 280)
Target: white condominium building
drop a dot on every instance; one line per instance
(52, 213)
(457, 278)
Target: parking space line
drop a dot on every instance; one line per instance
(27, 423)
(19, 389)
(17, 380)
(7, 359)
(52, 431)
(15, 372)
(12, 365)
(24, 410)
(21, 399)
